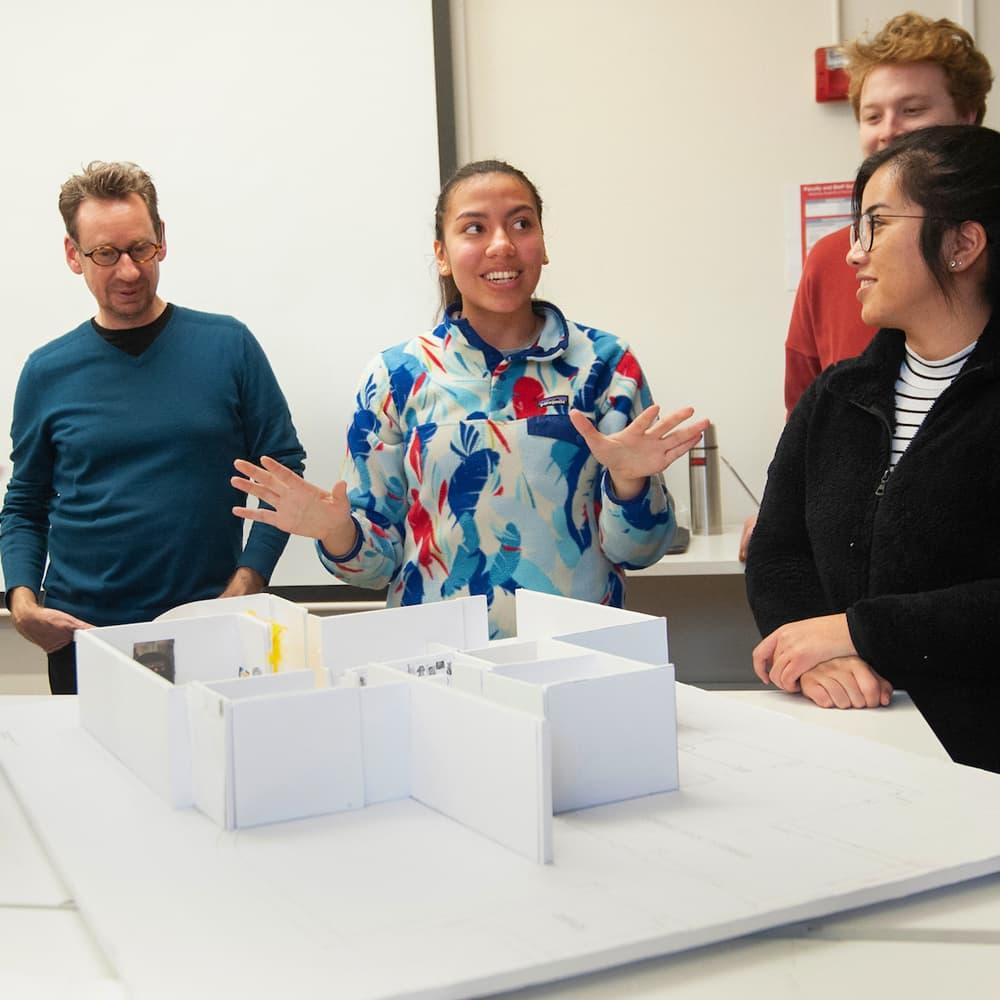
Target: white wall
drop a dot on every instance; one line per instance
(663, 135)
(294, 148)
(293, 144)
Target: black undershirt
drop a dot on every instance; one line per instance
(139, 338)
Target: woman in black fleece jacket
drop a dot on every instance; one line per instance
(876, 559)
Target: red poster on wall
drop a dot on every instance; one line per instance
(823, 208)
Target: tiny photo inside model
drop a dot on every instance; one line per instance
(158, 656)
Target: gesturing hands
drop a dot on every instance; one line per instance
(643, 449)
(300, 508)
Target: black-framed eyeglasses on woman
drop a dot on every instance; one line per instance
(863, 230)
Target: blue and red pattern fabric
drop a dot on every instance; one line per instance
(466, 476)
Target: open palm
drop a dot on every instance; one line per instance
(646, 447)
(300, 508)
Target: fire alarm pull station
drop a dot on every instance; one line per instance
(831, 75)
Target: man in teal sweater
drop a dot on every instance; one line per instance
(124, 432)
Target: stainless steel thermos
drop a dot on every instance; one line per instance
(706, 495)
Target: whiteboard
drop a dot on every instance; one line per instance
(294, 149)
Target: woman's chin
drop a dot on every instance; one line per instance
(871, 316)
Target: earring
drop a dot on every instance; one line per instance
(545, 259)
(954, 263)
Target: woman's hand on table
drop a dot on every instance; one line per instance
(845, 682)
(792, 649)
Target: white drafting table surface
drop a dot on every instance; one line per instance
(706, 555)
(776, 822)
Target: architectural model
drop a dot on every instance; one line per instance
(263, 713)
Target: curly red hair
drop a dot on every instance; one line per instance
(912, 38)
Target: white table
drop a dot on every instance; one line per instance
(941, 943)
(944, 943)
(46, 947)
(706, 555)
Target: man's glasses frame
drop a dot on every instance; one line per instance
(107, 255)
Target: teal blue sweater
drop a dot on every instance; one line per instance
(122, 465)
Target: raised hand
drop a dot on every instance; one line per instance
(645, 448)
(300, 508)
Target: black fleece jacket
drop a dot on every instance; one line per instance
(912, 556)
